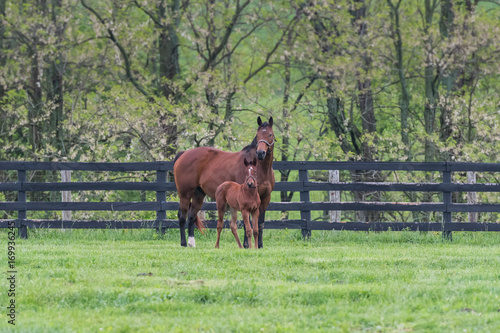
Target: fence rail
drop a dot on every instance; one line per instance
(303, 186)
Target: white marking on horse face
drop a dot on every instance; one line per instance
(191, 242)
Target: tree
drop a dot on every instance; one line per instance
(404, 99)
(167, 19)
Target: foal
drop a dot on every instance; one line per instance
(243, 197)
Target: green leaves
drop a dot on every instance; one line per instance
(233, 62)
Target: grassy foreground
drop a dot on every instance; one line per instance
(93, 281)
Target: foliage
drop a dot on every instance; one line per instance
(233, 60)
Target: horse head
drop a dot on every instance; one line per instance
(265, 138)
(251, 173)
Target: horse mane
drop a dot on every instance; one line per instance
(178, 155)
(254, 142)
(251, 146)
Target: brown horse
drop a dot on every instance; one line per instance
(240, 197)
(199, 171)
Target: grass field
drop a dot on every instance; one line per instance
(94, 281)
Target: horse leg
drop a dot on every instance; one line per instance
(234, 227)
(261, 219)
(196, 204)
(221, 209)
(183, 208)
(245, 238)
(248, 228)
(255, 217)
(247, 241)
(264, 202)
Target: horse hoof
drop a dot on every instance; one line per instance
(191, 242)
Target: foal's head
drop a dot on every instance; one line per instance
(251, 173)
(265, 138)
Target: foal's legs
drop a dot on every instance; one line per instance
(258, 223)
(234, 227)
(248, 228)
(246, 241)
(221, 209)
(196, 204)
(245, 238)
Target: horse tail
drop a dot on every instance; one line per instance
(200, 224)
(178, 155)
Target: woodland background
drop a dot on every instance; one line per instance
(125, 81)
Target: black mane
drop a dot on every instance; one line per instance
(251, 146)
(254, 142)
(178, 155)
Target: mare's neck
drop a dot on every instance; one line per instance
(267, 162)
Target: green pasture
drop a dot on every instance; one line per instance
(139, 281)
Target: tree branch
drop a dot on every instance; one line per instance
(225, 38)
(120, 48)
(155, 20)
(302, 94)
(291, 24)
(213, 55)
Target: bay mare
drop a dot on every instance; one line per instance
(199, 171)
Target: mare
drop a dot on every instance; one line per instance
(199, 171)
(240, 197)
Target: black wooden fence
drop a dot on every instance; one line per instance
(303, 186)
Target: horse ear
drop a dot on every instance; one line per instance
(246, 162)
(259, 121)
(271, 121)
(254, 161)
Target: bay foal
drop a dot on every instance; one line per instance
(240, 197)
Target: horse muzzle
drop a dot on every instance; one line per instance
(261, 154)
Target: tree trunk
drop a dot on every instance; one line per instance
(429, 112)
(285, 138)
(3, 47)
(431, 80)
(447, 79)
(367, 110)
(336, 117)
(404, 99)
(431, 92)
(34, 90)
(55, 81)
(168, 46)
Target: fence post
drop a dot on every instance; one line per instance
(161, 178)
(472, 196)
(21, 197)
(334, 177)
(447, 235)
(304, 197)
(66, 195)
